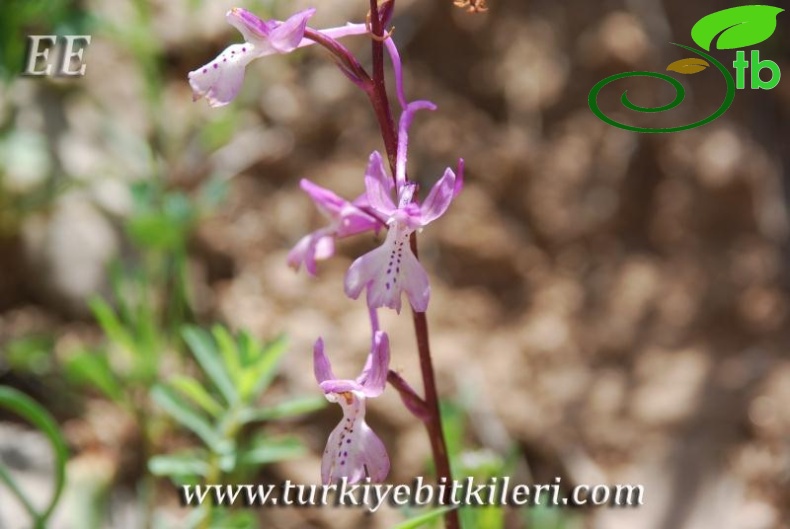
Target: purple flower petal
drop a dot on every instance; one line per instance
(438, 200)
(415, 282)
(353, 451)
(374, 377)
(314, 246)
(321, 366)
(287, 35)
(346, 218)
(332, 388)
(252, 28)
(459, 179)
(220, 80)
(388, 270)
(378, 186)
(325, 200)
(377, 169)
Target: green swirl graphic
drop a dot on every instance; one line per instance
(592, 99)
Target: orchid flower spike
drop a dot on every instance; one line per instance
(353, 450)
(220, 80)
(345, 219)
(392, 268)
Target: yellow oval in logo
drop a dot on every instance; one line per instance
(688, 66)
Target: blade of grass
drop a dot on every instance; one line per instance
(30, 410)
(205, 353)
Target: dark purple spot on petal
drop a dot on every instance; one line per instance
(348, 441)
(204, 70)
(215, 66)
(243, 50)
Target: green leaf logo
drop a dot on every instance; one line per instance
(738, 27)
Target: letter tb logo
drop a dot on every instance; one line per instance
(741, 64)
(733, 28)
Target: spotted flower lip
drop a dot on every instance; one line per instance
(353, 451)
(392, 268)
(345, 219)
(220, 80)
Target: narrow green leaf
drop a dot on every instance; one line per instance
(229, 351)
(194, 391)
(267, 450)
(202, 347)
(110, 323)
(266, 365)
(180, 411)
(19, 494)
(738, 27)
(419, 521)
(180, 465)
(249, 348)
(291, 408)
(454, 425)
(94, 368)
(31, 411)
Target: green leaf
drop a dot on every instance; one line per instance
(454, 426)
(419, 521)
(110, 323)
(194, 391)
(202, 347)
(738, 27)
(154, 230)
(266, 450)
(181, 465)
(30, 410)
(265, 366)
(180, 411)
(291, 408)
(94, 368)
(229, 351)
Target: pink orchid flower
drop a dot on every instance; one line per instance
(220, 80)
(353, 450)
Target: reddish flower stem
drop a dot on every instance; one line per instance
(378, 93)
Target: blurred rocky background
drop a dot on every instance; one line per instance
(612, 304)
